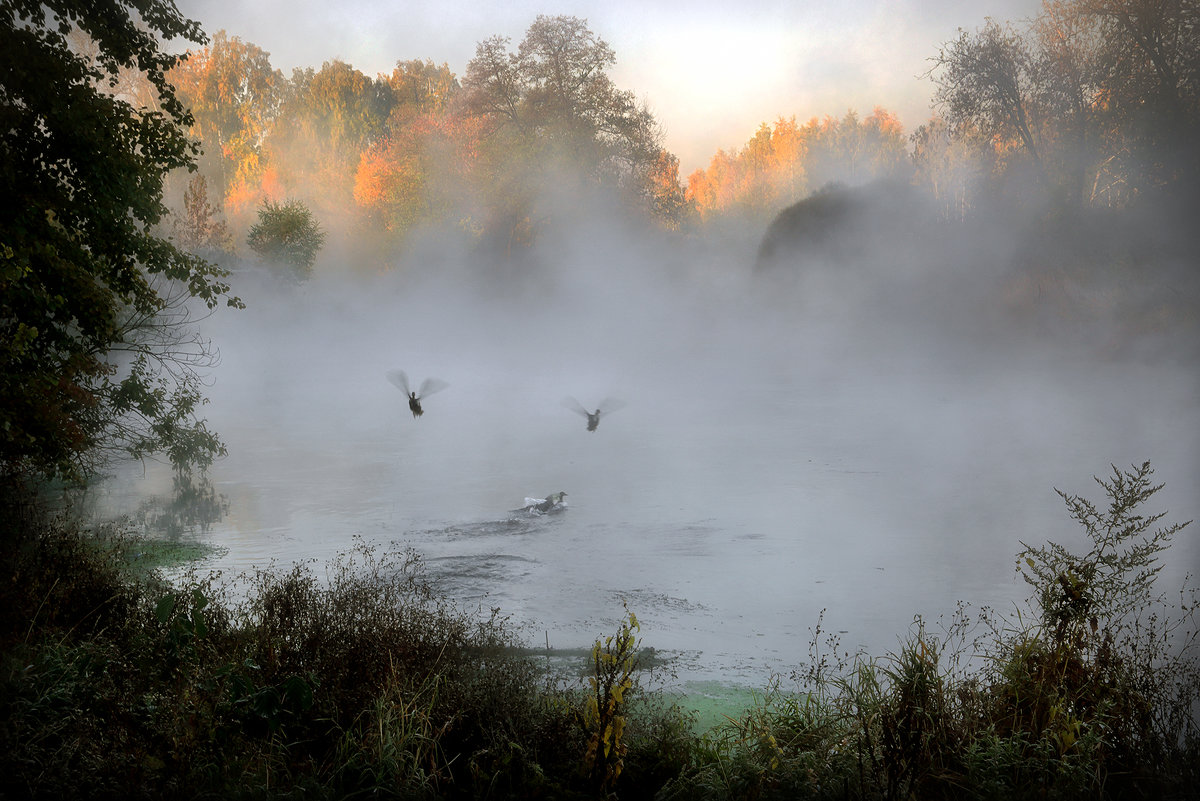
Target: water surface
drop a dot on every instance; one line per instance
(775, 459)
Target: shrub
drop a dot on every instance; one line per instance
(288, 236)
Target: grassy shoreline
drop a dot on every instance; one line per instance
(116, 682)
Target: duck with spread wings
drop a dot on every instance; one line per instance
(607, 406)
(427, 388)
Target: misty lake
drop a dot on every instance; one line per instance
(871, 450)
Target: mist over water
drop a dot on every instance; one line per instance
(872, 444)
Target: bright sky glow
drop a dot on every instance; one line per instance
(711, 72)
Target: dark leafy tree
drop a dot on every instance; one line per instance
(1099, 98)
(986, 82)
(95, 350)
(1147, 60)
(286, 235)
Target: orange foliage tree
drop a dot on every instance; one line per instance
(425, 169)
(422, 173)
(235, 97)
(782, 163)
(664, 194)
(331, 117)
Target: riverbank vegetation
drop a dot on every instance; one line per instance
(359, 680)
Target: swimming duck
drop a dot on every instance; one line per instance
(552, 501)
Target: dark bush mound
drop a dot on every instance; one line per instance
(841, 225)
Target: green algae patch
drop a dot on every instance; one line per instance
(147, 555)
(715, 703)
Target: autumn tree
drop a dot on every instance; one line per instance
(986, 80)
(665, 196)
(883, 147)
(425, 168)
(711, 191)
(952, 168)
(328, 119)
(789, 156)
(346, 108)
(421, 87)
(95, 350)
(555, 114)
(1148, 62)
(1037, 95)
(785, 162)
(200, 228)
(389, 184)
(754, 187)
(1097, 97)
(1068, 89)
(854, 150)
(417, 170)
(421, 173)
(235, 97)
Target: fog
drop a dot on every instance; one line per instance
(873, 437)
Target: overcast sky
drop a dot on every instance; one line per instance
(711, 72)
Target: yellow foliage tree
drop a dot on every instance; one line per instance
(235, 97)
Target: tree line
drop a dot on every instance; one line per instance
(124, 187)
(1094, 102)
(421, 146)
(1091, 103)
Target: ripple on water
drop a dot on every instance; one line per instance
(471, 575)
(518, 523)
